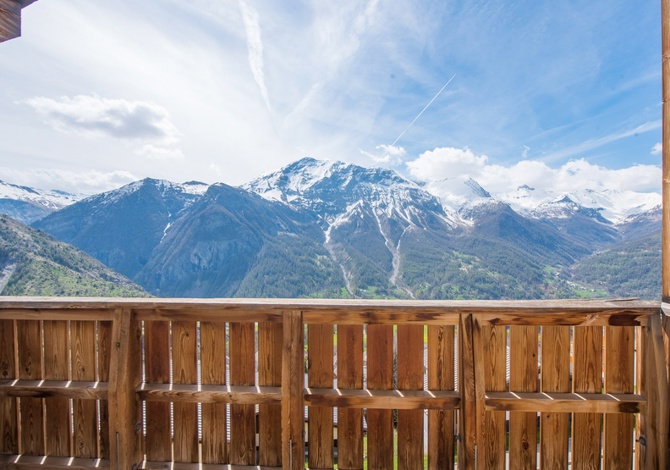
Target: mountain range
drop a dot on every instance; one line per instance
(332, 229)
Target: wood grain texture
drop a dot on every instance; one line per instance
(658, 417)
(57, 367)
(10, 20)
(85, 438)
(184, 371)
(292, 385)
(9, 442)
(104, 356)
(441, 377)
(468, 411)
(619, 378)
(242, 372)
(158, 442)
(523, 378)
(555, 378)
(213, 364)
(320, 374)
(495, 369)
(350, 376)
(410, 377)
(270, 338)
(380, 377)
(587, 378)
(29, 343)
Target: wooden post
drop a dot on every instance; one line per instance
(468, 412)
(658, 396)
(10, 19)
(124, 406)
(292, 392)
(665, 286)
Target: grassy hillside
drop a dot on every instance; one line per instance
(34, 264)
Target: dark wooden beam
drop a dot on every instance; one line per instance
(10, 19)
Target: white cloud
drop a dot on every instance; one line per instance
(390, 155)
(77, 182)
(657, 149)
(159, 153)
(93, 116)
(255, 47)
(574, 175)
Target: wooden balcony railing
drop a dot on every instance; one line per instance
(109, 383)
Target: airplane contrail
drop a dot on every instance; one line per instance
(422, 111)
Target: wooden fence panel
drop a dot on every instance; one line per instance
(587, 378)
(213, 364)
(57, 367)
(320, 375)
(104, 356)
(29, 342)
(9, 435)
(619, 347)
(85, 438)
(523, 378)
(242, 372)
(555, 378)
(380, 377)
(495, 365)
(158, 442)
(441, 377)
(184, 371)
(410, 377)
(350, 376)
(270, 338)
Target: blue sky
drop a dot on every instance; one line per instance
(97, 94)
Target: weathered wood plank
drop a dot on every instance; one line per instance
(54, 389)
(184, 371)
(29, 342)
(9, 442)
(270, 338)
(495, 370)
(10, 20)
(410, 377)
(658, 417)
(587, 378)
(555, 378)
(125, 419)
(242, 372)
(213, 357)
(292, 380)
(383, 399)
(85, 439)
(566, 402)
(619, 378)
(523, 378)
(29, 462)
(441, 377)
(104, 357)
(380, 377)
(320, 374)
(209, 394)
(466, 377)
(158, 442)
(57, 367)
(349, 376)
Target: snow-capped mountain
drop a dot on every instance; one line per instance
(27, 204)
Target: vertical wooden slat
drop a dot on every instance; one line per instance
(213, 357)
(158, 445)
(350, 376)
(466, 375)
(618, 439)
(270, 337)
(85, 439)
(523, 378)
(29, 337)
(555, 378)
(587, 378)
(292, 392)
(184, 365)
(57, 367)
(242, 372)
(440, 377)
(104, 357)
(410, 377)
(380, 377)
(495, 368)
(125, 374)
(320, 375)
(658, 397)
(9, 442)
